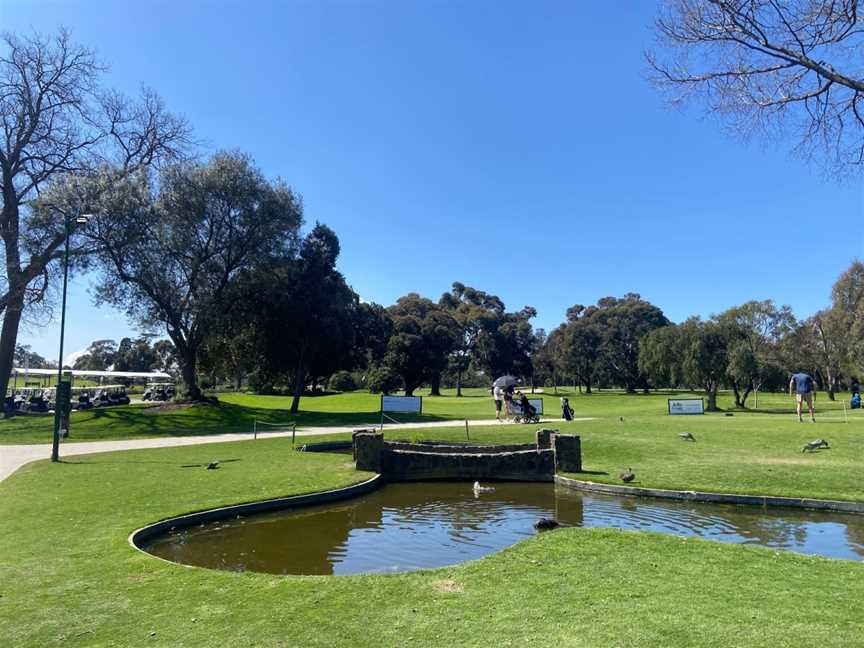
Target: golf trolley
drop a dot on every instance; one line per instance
(518, 416)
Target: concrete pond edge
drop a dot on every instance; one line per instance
(717, 498)
(145, 533)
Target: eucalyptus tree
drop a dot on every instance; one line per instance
(424, 334)
(755, 330)
(473, 312)
(59, 123)
(301, 311)
(169, 247)
(789, 70)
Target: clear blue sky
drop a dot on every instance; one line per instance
(515, 147)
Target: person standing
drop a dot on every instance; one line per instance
(498, 395)
(803, 385)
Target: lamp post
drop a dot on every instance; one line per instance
(58, 409)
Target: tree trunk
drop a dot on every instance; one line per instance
(737, 394)
(587, 386)
(299, 375)
(745, 395)
(712, 398)
(409, 391)
(554, 383)
(459, 383)
(8, 337)
(189, 371)
(435, 385)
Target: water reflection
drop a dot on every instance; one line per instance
(408, 526)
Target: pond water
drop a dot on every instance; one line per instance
(415, 525)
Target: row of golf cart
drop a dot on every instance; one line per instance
(159, 392)
(39, 399)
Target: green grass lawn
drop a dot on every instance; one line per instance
(69, 578)
(236, 413)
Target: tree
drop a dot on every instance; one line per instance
(100, 356)
(580, 345)
(59, 124)
(303, 312)
(474, 312)
(135, 355)
(424, 334)
(770, 66)
(621, 324)
(704, 360)
(172, 247)
(546, 357)
(505, 344)
(26, 357)
(847, 317)
(661, 357)
(692, 353)
(754, 331)
(166, 357)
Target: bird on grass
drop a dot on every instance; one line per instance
(686, 436)
(545, 524)
(213, 465)
(620, 419)
(628, 475)
(815, 445)
(482, 489)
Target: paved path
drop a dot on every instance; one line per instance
(12, 457)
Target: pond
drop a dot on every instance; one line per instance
(415, 525)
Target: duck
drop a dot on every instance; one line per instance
(815, 445)
(482, 489)
(687, 436)
(544, 524)
(213, 465)
(628, 476)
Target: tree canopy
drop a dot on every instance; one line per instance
(170, 247)
(790, 70)
(59, 125)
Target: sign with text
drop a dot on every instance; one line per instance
(402, 404)
(686, 406)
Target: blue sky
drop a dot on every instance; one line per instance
(515, 147)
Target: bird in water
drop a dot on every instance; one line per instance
(213, 465)
(686, 436)
(544, 524)
(482, 489)
(628, 476)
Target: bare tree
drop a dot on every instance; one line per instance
(57, 123)
(781, 68)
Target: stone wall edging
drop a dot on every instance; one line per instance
(250, 508)
(717, 498)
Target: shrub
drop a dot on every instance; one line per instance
(383, 380)
(341, 381)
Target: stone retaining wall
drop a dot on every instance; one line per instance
(404, 461)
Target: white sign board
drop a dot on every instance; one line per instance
(403, 404)
(686, 406)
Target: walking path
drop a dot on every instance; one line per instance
(12, 457)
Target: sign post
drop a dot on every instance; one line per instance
(63, 405)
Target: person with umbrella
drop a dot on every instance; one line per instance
(505, 384)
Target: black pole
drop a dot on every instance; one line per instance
(55, 445)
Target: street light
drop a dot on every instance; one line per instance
(81, 219)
